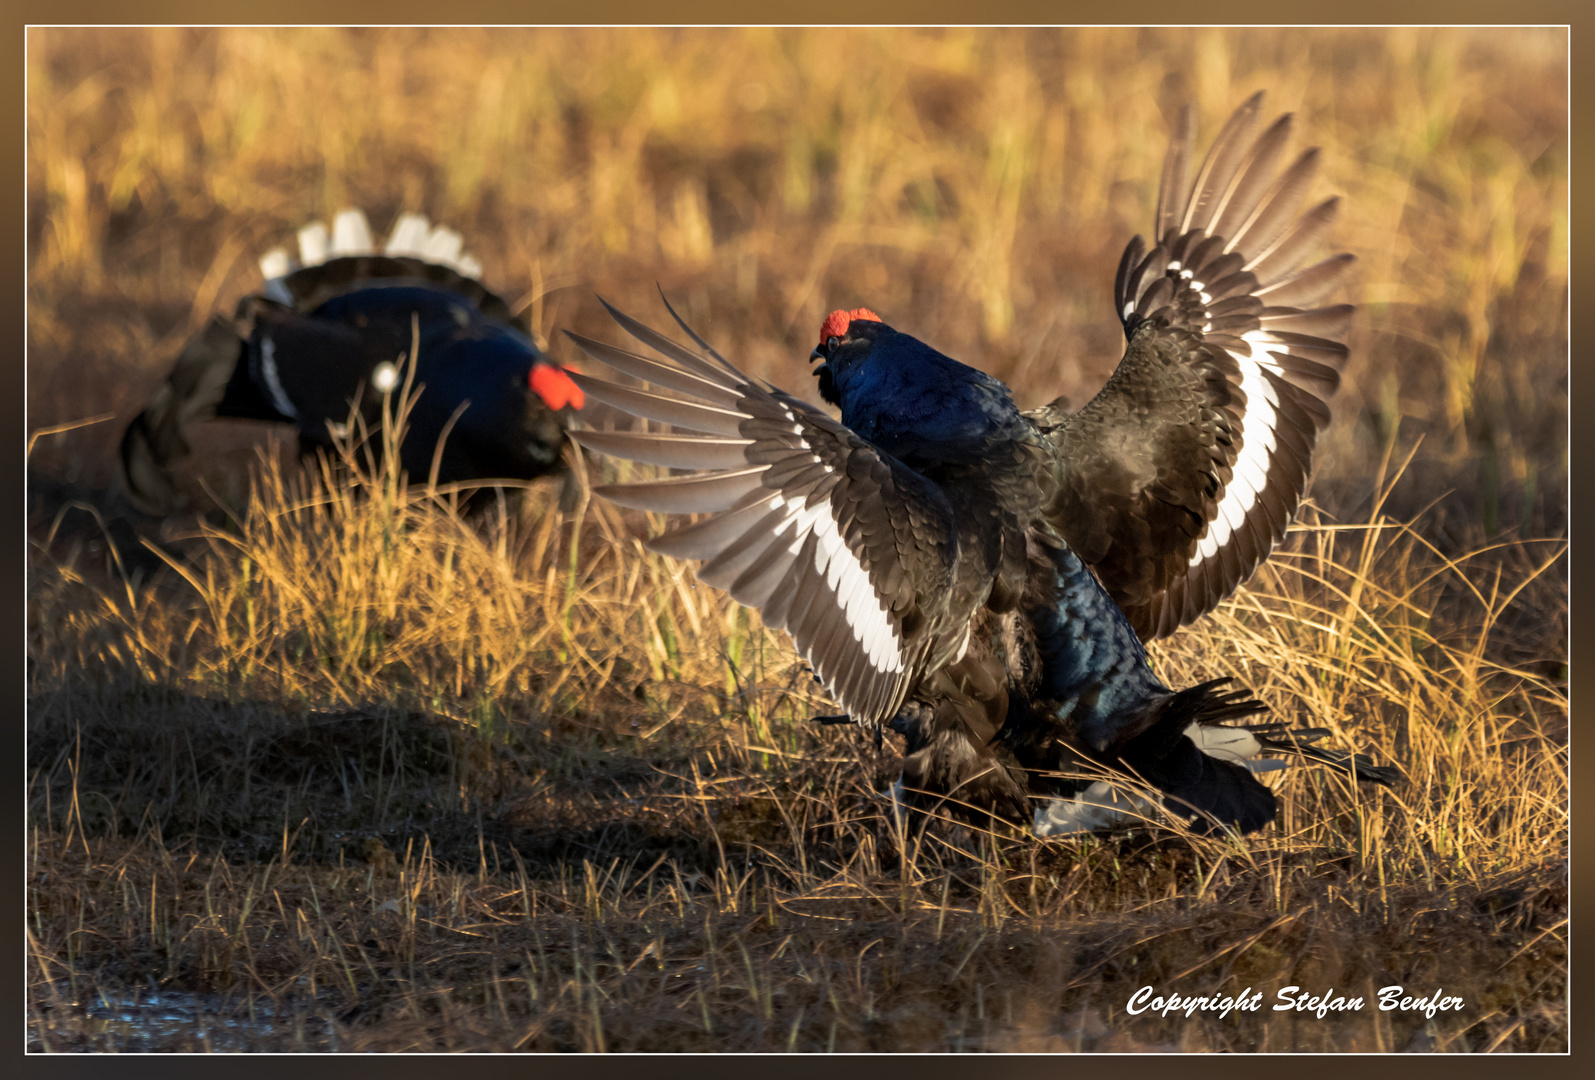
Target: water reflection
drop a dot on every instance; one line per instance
(154, 1020)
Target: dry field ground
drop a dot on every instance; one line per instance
(322, 765)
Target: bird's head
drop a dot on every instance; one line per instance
(903, 395)
(846, 338)
(549, 382)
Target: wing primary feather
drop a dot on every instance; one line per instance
(744, 550)
(1281, 256)
(1220, 267)
(674, 411)
(1235, 305)
(670, 451)
(1309, 287)
(675, 350)
(686, 494)
(1326, 322)
(672, 378)
(693, 334)
(792, 472)
(1252, 179)
(807, 592)
(755, 585)
(778, 611)
(1196, 262)
(1242, 283)
(1172, 190)
(1275, 211)
(1219, 165)
(1331, 354)
(709, 538)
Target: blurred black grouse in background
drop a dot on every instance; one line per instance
(336, 327)
(981, 578)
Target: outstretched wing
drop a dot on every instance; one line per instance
(1181, 475)
(847, 549)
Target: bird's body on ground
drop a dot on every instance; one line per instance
(981, 579)
(327, 338)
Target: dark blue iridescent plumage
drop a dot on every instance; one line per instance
(323, 341)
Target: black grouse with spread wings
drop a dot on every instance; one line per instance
(981, 578)
(902, 548)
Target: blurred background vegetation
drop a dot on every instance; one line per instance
(974, 186)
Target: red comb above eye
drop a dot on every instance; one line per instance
(837, 322)
(556, 388)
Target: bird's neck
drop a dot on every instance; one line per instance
(929, 412)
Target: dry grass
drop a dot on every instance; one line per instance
(345, 770)
(430, 787)
(975, 187)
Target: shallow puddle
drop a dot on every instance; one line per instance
(152, 1020)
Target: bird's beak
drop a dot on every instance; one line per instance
(816, 355)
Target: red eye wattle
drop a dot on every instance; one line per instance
(837, 322)
(556, 388)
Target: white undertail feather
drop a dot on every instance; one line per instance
(412, 236)
(275, 264)
(443, 245)
(408, 236)
(1100, 806)
(351, 234)
(1232, 744)
(313, 244)
(1105, 804)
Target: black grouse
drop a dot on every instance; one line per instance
(335, 328)
(922, 551)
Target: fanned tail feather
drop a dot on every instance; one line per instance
(1357, 765)
(412, 237)
(1209, 791)
(325, 263)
